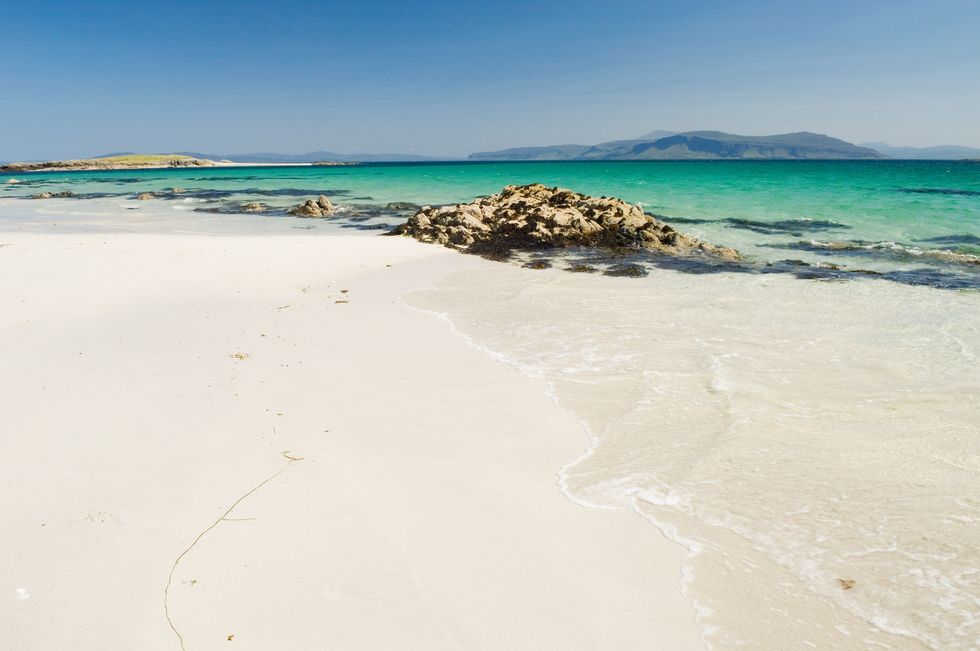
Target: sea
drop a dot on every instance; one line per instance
(805, 422)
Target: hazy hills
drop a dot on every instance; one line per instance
(655, 145)
(941, 152)
(695, 145)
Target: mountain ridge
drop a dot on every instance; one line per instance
(697, 145)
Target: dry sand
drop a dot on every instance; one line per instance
(151, 381)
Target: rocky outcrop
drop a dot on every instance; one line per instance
(190, 162)
(145, 196)
(255, 207)
(320, 207)
(538, 217)
(53, 195)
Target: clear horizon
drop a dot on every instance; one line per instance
(442, 79)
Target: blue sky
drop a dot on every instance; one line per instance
(452, 77)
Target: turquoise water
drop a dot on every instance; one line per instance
(879, 215)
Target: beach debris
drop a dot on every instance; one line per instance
(627, 270)
(534, 217)
(239, 356)
(224, 516)
(255, 206)
(64, 194)
(145, 196)
(231, 636)
(537, 264)
(319, 207)
(846, 584)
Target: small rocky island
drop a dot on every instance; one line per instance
(319, 207)
(534, 217)
(124, 162)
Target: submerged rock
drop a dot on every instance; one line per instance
(145, 196)
(255, 207)
(537, 217)
(321, 207)
(402, 205)
(53, 195)
(12, 181)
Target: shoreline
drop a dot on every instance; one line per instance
(404, 526)
(40, 168)
(461, 351)
(740, 551)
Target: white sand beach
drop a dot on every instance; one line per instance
(392, 486)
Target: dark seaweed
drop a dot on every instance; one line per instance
(953, 240)
(635, 263)
(795, 227)
(967, 193)
(864, 249)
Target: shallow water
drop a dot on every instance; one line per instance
(877, 215)
(816, 445)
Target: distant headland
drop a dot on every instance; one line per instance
(125, 162)
(696, 145)
(145, 162)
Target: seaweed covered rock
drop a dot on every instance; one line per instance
(320, 207)
(538, 217)
(65, 194)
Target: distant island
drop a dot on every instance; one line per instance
(695, 145)
(122, 162)
(150, 162)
